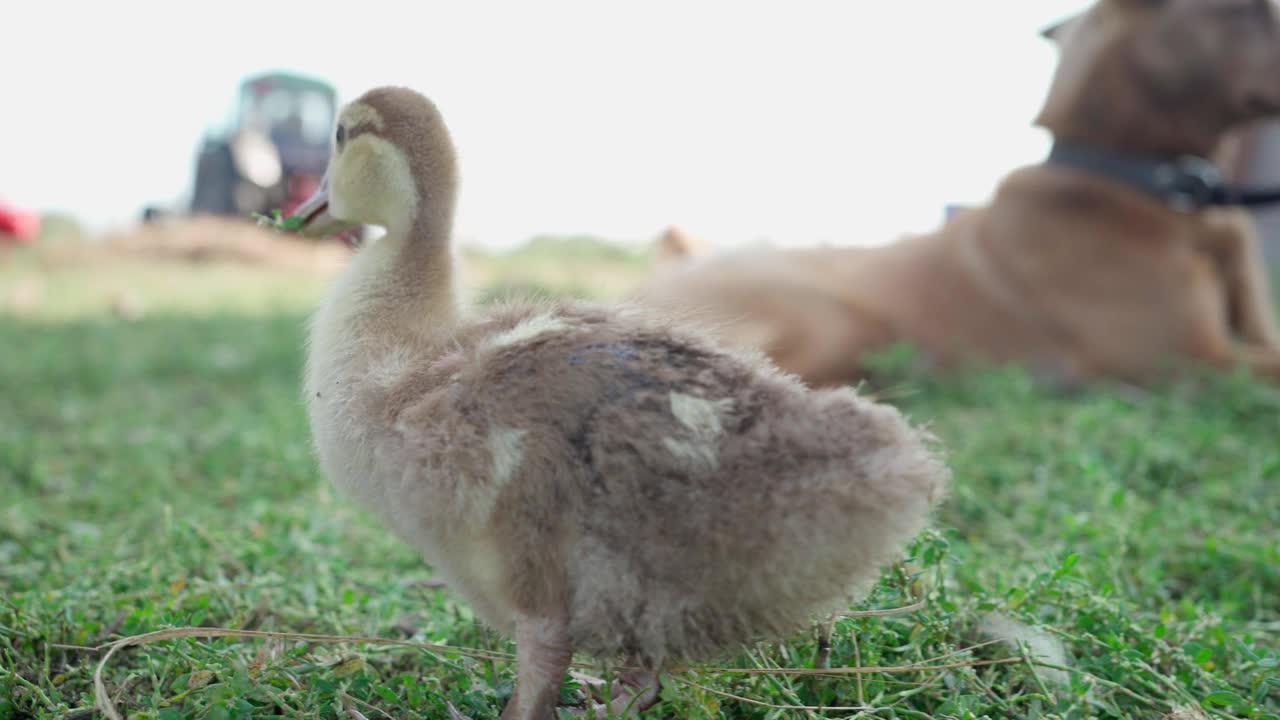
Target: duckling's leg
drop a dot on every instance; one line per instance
(543, 653)
(822, 660)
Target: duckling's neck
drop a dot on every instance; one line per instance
(399, 290)
(416, 267)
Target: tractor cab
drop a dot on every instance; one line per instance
(270, 150)
(295, 115)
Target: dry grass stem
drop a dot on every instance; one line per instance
(771, 706)
(107, 707)
(889, 612)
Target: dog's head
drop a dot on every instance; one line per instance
(1168, 76)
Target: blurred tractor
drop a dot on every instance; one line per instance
(271, 150)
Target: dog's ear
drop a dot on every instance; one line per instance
(1224, 4)
(1210, 49)
(1139, 5)
(1263, 5)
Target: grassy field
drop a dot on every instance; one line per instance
(156, 472)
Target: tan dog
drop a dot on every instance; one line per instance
(1102, 262)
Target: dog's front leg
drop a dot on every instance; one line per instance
(1239, 255)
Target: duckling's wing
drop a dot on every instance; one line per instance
(622, 409)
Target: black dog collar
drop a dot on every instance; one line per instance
(1186, 184)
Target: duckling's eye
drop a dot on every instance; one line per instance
(341, 136)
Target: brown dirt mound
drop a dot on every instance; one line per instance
(210, 240)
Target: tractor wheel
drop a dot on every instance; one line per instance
(216, 182)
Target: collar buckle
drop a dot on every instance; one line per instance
(1190, 183)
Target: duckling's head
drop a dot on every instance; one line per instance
(392, 165)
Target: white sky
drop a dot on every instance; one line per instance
(802, 121)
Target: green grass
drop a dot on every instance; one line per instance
(575, 266)
(158, 474)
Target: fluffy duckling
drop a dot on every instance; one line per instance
(586, 477)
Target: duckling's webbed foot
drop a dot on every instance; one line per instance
(543, 653)
(634, 693)
(631, 693)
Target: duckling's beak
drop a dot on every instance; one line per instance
(314, 212)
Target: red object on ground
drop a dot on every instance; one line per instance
(16, 224)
